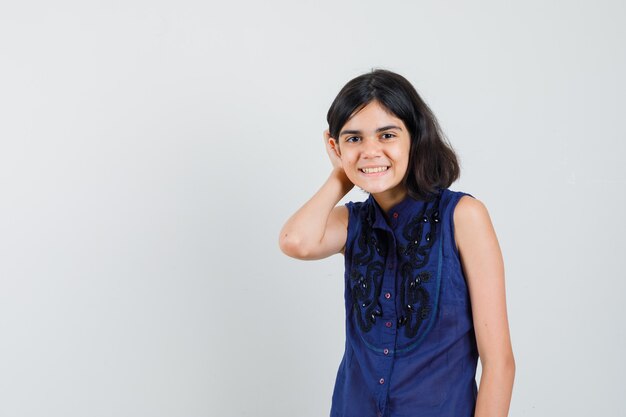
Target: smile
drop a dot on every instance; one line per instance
(373, 170)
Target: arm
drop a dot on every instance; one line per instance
(483, 266)
(319, 229)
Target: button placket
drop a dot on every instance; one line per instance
(386, 296)
(394, 220)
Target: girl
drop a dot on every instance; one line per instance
(424, 275)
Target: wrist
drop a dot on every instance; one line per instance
(340, 175)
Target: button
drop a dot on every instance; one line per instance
(387, 295)
(381, 381)
(379, 414)
(391, 266)
(395, 215)
(388, 324)
(386, 351)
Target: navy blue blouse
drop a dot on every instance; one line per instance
(410, 344)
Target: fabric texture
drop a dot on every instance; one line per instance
(410, 345)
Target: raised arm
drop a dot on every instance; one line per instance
(319, 229)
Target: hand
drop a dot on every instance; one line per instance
(331, 149)
(335, 159)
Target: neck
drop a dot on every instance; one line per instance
(387, 199)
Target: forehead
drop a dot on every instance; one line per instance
(370, 117)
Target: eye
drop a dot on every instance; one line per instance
(352, 137)
(390, 135)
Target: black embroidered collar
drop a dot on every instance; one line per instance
(377, 218)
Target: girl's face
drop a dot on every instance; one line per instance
(374, 149)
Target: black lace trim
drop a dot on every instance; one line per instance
(365, 286)
(366, 274)
(365, 293)
(414, 298)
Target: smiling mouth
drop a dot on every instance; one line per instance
(373, 170)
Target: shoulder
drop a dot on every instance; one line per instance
(464, 206)
(355, 205)
(356, 209)
(471, 221)
(469, 208)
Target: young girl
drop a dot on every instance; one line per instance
(424, 276)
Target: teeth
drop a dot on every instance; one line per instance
(372, 170)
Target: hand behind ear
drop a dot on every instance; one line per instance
(332, 149)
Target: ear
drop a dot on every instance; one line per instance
(334, 144)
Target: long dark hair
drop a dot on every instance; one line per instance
(433, 164)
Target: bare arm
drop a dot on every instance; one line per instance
(319, 229)
(484, 269)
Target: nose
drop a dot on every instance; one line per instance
(371, 148)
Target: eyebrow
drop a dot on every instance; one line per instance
(358, 132)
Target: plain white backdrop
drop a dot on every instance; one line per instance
(150, 152)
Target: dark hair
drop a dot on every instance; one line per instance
(432, 161)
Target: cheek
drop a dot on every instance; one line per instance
(349, 167)
(347, 160)
(405, 164)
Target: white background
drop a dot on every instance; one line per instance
(150, 152)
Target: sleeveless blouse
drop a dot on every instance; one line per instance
(410, 347)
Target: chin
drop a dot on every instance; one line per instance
(374, 190)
